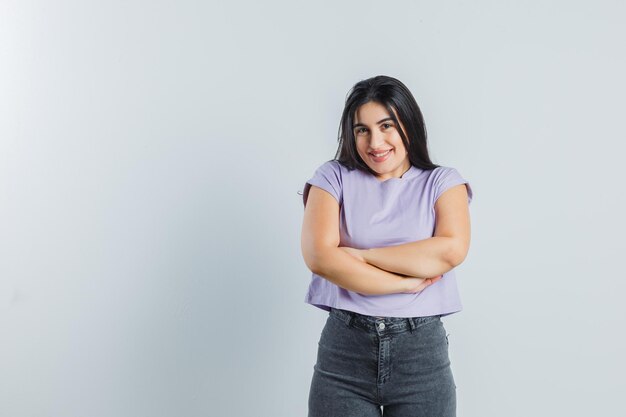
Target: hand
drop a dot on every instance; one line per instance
(415, 285)
(354, 252)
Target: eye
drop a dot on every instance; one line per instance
(359, 130)
(388, 124)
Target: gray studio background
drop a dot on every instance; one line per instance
(151, 155)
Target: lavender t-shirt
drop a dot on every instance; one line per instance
(376, 213)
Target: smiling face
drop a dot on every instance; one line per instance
(378, 142)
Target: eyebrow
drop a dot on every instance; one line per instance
(378, 122)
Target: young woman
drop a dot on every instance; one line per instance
(383, 229)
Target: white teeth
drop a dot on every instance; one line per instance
(378, 155)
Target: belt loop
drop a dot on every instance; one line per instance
(349, 318)
(345, 315)
(412, 323)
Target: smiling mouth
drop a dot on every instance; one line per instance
(380, 154)
(379, 158)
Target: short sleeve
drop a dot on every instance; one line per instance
(447, 177)
(328, 178)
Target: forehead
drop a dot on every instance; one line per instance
(371, 113)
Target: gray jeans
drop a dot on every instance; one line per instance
(370, 367)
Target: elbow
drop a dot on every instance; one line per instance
(315, 260)
(458, 252)
(312, 262)
(315, 267)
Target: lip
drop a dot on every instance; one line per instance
(380, 159)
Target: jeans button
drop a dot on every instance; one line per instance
(381, 326)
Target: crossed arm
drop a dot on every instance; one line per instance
(421, 259)
(382, 270)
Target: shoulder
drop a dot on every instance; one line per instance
(329, 177)
(443, 173)
(444, 177)
(443, 170)
(331, 165)
(332, 170)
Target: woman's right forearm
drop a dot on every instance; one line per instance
(344, 270)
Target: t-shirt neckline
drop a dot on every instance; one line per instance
(410, 173)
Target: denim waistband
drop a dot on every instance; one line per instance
(380, 326)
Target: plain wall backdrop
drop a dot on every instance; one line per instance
(151, 155)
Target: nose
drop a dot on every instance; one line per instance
(377, 139)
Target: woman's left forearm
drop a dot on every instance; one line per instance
(426, 258)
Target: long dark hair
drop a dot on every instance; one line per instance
(390, 93)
